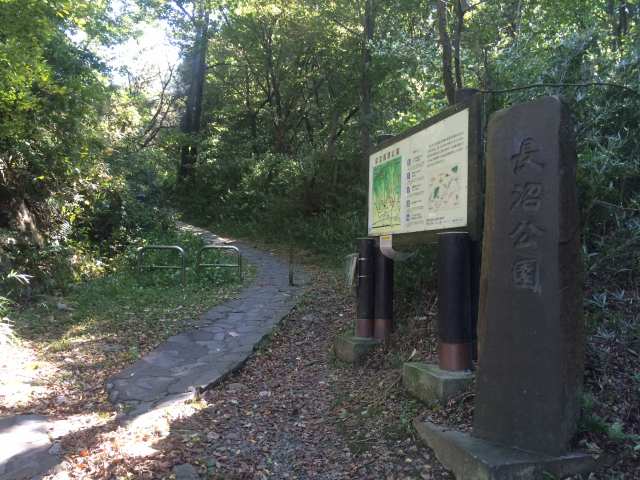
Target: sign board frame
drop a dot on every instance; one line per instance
(474, 174)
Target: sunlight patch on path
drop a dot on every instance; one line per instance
(23, 376)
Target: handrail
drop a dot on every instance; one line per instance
(175, 248)
(229, 248)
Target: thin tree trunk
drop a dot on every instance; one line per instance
(617, 17)
(331, 145)
(191, 121)
(251, 114)
(366, 110)
(457, 35)
(623, 21)
(445, 43)
(279, 118)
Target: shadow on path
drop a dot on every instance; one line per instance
(167, 377)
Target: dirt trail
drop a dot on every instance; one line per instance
(294, 412)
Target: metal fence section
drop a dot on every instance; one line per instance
(222, 249)
(175, 248)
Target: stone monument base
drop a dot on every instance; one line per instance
(471, 458)
(433, 385)
(354, 349)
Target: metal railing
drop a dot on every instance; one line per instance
(222, 249)
(175, 248)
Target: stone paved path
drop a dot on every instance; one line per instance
(25, 446)
(30, 444)
(221, 342)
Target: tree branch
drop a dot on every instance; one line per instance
(185, 12)
(560, 85)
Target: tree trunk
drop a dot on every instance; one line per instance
(619, 17)
(331, 145)
(191, 120)
(445, 43)
(278, 114)
(457, 35)
(366, 111)
(251, 114)
(623, 22)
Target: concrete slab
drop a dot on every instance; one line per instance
(354, 349)
(431, 384)
(471, 458)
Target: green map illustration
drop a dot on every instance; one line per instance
(445, 189)
(386, 194)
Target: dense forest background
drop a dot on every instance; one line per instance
(263, 126)
(260, 130)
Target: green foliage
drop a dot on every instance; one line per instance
(50, 96)
(65, 206)
(415, 282)
(84, 248)
(591, 422)
(273, 199)
(280, 156)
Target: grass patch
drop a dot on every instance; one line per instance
(134, 309)
(127, 312)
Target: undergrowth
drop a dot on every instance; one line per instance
(133, 308)
(97, 327)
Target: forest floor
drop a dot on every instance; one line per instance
(295, 411)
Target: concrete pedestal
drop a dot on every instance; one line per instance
(354, 349)
(431, 384)
(471, 458)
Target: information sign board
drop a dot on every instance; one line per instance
(427, 179)
(420, 182)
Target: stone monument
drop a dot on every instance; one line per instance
(531, 332)
(530, 324)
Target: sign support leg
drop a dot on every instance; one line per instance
(476, 262)
(366, 275)
(454, 301)
(383, 318)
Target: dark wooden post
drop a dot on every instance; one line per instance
(366, 275)
(383, 309)
(454, 301)
(472, 97)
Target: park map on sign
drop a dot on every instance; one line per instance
(387, 187)
(419, 182)
(444, 189)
